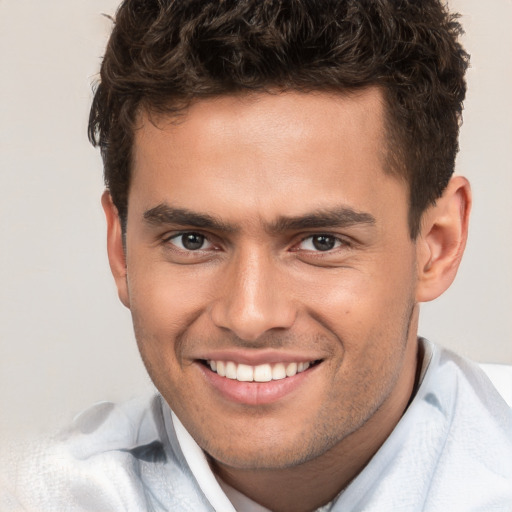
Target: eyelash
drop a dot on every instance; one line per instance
(168, 240)
(340, 242)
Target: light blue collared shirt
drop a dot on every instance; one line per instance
(451, 451)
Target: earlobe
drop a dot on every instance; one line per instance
(441, 242)
(115, 249)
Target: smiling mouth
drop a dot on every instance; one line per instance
(260, 373)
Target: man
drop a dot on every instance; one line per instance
(280, 198)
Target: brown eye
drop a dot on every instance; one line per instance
(190, 241)
(323, 242)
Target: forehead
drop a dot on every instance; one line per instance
(316, 116)
(264, 152)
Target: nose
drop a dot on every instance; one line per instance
(253, 298)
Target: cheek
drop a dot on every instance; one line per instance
(162, 306)
(165, 296)
(374, 348)
(369, 312)
(357, 301)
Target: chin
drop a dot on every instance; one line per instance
(270, 452)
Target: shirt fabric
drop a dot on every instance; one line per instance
(451, 450)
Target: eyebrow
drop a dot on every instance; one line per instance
(323, 218)
(165, 214)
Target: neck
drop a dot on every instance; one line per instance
(310, 485)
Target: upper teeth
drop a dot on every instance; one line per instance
(260, 373)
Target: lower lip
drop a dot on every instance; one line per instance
(255, 393)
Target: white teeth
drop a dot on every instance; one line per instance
(278, 372)
(305, 366)
(260, 373)
(221, 368)
(263, 373)
(244, 373)
(302, 366)
(291, 369)
(231, 370)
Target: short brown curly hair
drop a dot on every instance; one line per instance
(164, 54)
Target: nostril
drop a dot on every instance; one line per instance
(250, 323)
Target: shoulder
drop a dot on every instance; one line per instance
(452, 449)
(474, 457)
(112, 457)
(466, 394)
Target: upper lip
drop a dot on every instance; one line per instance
(257, 356)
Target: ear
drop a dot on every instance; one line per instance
(115, 249)
(441, 242)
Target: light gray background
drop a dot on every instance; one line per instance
(65, 340)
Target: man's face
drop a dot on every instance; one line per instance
(264, 239)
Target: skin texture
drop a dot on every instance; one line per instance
(262, 175)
